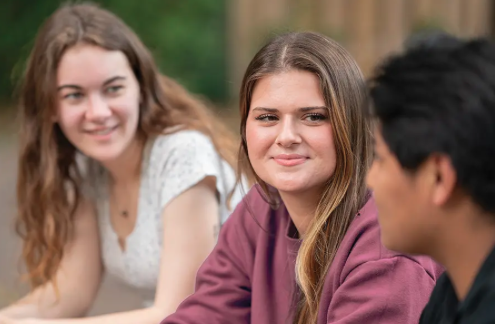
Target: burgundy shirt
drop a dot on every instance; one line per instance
(250, 276)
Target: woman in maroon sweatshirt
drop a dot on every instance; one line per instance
(304, 245)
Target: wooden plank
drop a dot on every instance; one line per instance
(331, 17)
(361, 30)
(422, 13)
(391, 27)
(452, 15)
(238, 41)
(476, 17)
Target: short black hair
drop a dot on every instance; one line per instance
(438, 96)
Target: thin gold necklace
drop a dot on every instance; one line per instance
(123, 212)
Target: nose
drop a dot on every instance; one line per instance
(289, 133)
(98, 109)
(370, 175)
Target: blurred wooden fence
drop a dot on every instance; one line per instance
(369, 29)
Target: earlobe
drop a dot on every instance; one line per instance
(445, 179)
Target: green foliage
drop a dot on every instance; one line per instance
(19, 21)
(186, 37)
(425, 26)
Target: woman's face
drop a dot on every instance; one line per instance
(289, 134)
(98, 100)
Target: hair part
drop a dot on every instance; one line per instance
(343, 89)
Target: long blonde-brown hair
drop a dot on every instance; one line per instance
(344, 92)
(47, 158)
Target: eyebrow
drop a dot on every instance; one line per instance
(302, 109)
(76, 87)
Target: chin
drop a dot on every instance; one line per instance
(290, 186)
(104, 154)
(399, 246)
(293, 183)
(386, 242)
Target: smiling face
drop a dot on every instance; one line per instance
(98, 101)
(289, 134)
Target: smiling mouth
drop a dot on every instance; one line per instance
(102, 131)
(290, 160)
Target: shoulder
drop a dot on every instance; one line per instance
(253, 208)
(253, 215)
(177, 161)
(183, 149)
(432, 312)
(187, 140)
(362, 244)
(254, 227)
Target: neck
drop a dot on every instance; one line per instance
(127, 167)
(301, 208)
(466, 248)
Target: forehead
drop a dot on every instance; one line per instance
(288, 90)
(86, 64)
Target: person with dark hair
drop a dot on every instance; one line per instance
(433, 175)
(304, 245)
(120, 169)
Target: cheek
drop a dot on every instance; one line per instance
(386, 191)
(383, 189)
(397, 210)
(321, 138)
(127, 107)
(322, 143)
(69, 118)
(258, 140)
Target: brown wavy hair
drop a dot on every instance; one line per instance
(344, 91)
(47, 166)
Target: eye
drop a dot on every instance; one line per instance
(267, 118)
(73, 95)
(376, 156)
(113, 89)
(315, 117)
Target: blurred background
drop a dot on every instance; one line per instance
(206, 46)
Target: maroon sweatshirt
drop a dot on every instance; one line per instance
(250, 277)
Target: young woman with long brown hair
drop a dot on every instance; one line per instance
(120, 169)
(304, 245)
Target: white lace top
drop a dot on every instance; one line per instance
(171, 164)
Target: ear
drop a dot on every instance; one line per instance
(444, 177)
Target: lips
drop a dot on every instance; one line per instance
(101, 134)
(101, 131)
(290, 159)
